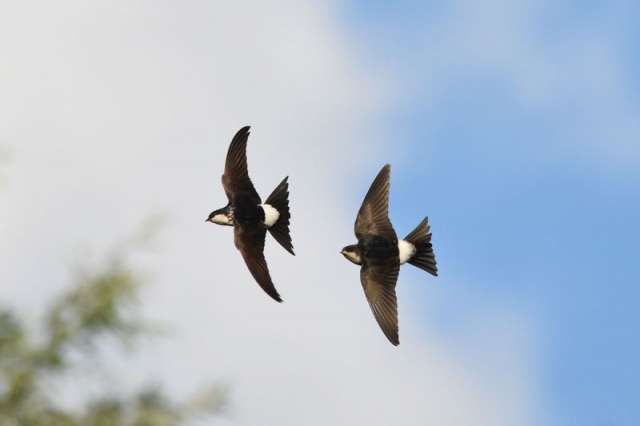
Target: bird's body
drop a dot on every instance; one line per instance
(250, 218)
(380, 253)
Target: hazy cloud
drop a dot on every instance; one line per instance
(118, 110)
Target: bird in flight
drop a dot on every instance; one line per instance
(380, 254)
(250, 218)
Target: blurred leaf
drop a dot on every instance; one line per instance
(107, 412)
(211, 400)
(102, 304)
(153, 409)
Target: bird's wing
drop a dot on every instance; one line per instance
(373, 217)
(251, 246)
(235, 179)
(379, 283)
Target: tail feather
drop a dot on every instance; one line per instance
(424, 258)
(279, 199)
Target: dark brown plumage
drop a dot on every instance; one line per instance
(380, 253)
(249, 217)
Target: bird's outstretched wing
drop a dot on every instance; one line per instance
(235, 180)
(379, 283)
(373, 216)
(251, 246)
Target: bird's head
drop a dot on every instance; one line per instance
(222, 216)
(352, 253)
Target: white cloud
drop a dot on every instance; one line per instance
(568, 72)
(119, 110)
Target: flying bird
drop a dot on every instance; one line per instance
(380, 254)
(250, 218)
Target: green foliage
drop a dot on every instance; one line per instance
(100, 305)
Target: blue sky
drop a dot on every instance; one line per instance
(529, 175)
(512, 125)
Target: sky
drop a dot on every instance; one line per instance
(513, 126)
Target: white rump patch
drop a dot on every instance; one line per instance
(407, 250)
(271, 215)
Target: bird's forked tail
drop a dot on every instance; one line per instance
(424, 258)
(279, 200)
